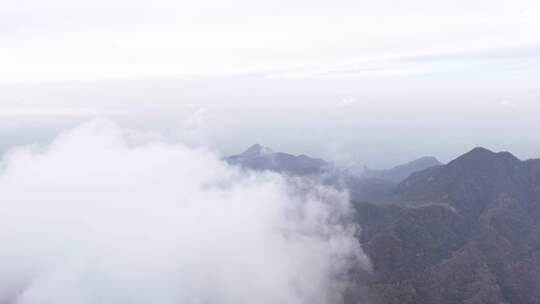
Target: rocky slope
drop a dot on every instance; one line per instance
(467, 232)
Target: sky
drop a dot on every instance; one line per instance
(372, 82)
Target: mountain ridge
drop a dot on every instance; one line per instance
(400, 172)
(465, 232)
(261, 158)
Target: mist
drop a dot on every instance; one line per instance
(105, 214)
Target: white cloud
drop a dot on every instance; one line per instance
(109, 215)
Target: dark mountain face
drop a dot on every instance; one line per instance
(471, 182)
(467, 232)
(401, 172)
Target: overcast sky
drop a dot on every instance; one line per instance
(377, 82)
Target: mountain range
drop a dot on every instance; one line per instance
(261, 158)
(464, 232)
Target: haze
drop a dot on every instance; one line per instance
(344, 80)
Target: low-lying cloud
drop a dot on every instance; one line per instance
(109, 215)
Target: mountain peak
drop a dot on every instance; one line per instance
(261, 158)
(427, 161)
(480, 155)
(480, 151)
(257, 150)
(478, 172)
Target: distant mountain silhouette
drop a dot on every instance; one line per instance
(370, 185)
(466, 232)
(262, 158)
(401, 172)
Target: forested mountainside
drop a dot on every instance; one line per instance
(465, 232)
